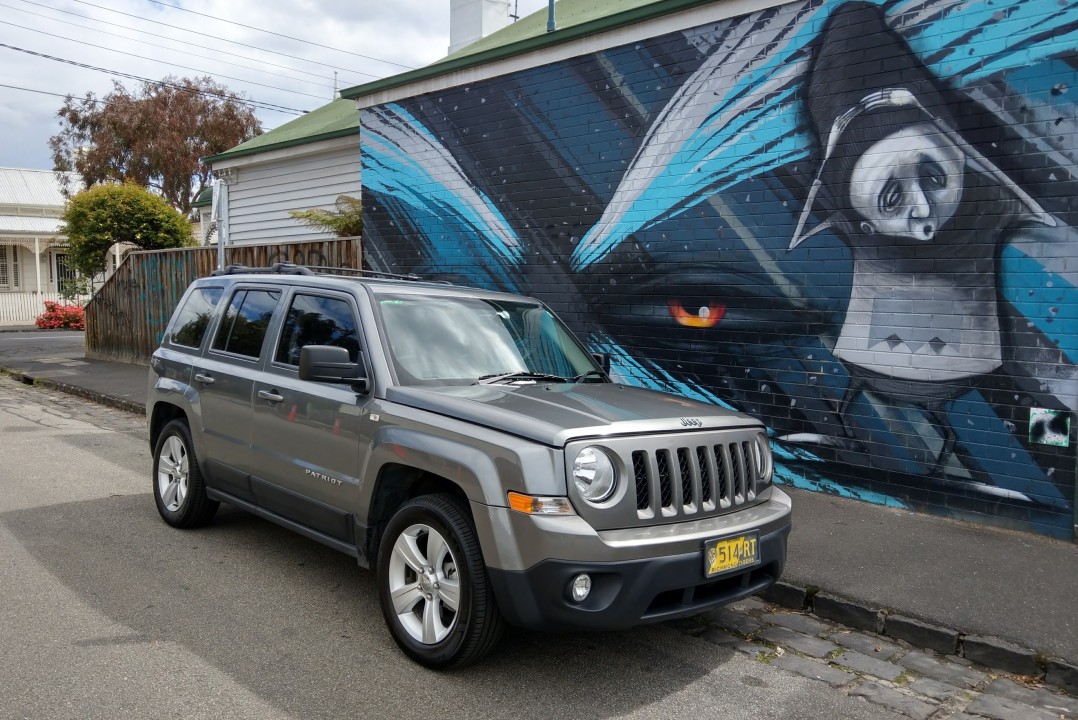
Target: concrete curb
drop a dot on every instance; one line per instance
(987, 651)
(92, 395)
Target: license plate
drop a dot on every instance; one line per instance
(732, 553)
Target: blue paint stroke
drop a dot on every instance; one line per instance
(694, 150)
(402, 160)
(970, 41)
(804, 481)
(1047, 300)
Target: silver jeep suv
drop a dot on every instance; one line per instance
(465, 445)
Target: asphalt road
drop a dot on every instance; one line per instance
(106, 612)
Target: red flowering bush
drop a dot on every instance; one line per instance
(56, 315)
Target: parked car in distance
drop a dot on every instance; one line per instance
(465, 446)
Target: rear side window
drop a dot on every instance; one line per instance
(314, 320)
(243, 328)
(194, 316)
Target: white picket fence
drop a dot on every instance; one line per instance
(22, 308)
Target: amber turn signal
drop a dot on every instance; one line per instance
(537, 505)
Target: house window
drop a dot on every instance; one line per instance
(9, 267)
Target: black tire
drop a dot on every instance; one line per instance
(475, 626)
(178, 489)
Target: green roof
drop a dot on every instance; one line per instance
(574, 18)
(567, 14)
(337, 119)
(204, 199)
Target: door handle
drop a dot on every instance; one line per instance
(204, 378)
(270, 395)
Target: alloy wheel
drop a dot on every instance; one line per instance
(173, 472)
(424, 584)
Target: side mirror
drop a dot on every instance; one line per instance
(331, 364)
(603, 360)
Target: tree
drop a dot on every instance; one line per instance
(101, 216)
(155, 138)
(345, 221)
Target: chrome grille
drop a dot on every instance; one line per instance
(686, 476)
(640, 463)
(703, 478)
(705, 473)
(662, 464)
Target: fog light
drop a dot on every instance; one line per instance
(581, 587)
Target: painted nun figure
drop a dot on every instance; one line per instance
(923, 213)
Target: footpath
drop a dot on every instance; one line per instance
(966, 593)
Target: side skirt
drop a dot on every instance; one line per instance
(346, 548)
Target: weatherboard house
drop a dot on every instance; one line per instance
(305, 163)
(852, 220)
(33, 257)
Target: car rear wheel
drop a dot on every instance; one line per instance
(433, 585)
(178, 489)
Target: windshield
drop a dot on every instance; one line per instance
(435, 340)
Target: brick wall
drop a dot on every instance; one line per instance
(898, 305)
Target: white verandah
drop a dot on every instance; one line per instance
(32, 270)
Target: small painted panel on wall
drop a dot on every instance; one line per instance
(1049, 427)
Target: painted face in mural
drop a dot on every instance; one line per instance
(908, 184)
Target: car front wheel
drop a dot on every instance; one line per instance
(433, 585)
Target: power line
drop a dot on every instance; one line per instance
(162, 37)
(270, 32)
(214, 37)
(243, 101)
(95, 100)
(163, 62)
(45, 92)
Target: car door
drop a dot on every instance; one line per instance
(306, 439)
(224, 378)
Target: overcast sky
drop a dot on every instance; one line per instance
(274, 52)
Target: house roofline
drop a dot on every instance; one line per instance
(284, 144)
(632, 16)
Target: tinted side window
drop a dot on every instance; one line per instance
(243, 328)
(316, 320)
(194, 316)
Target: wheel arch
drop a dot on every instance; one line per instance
(162, 414)
(396, 484)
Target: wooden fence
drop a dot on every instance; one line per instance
(126, 317)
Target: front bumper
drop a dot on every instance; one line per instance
(638, 576)
(632, 592)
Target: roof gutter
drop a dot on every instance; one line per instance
(284, 144)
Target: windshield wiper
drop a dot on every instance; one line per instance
(518, 375)
(590, 373)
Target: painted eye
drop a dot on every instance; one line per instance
(890, 199)
(933, 176)
(703, 316)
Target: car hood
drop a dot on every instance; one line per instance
(556, 413)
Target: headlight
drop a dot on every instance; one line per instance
(594, 473)
(761, 454)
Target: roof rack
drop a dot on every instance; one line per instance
(293, 269)
(329, 270)
(275, 269)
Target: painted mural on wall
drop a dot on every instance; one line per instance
(852, 220)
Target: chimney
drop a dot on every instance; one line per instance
(470, 20)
